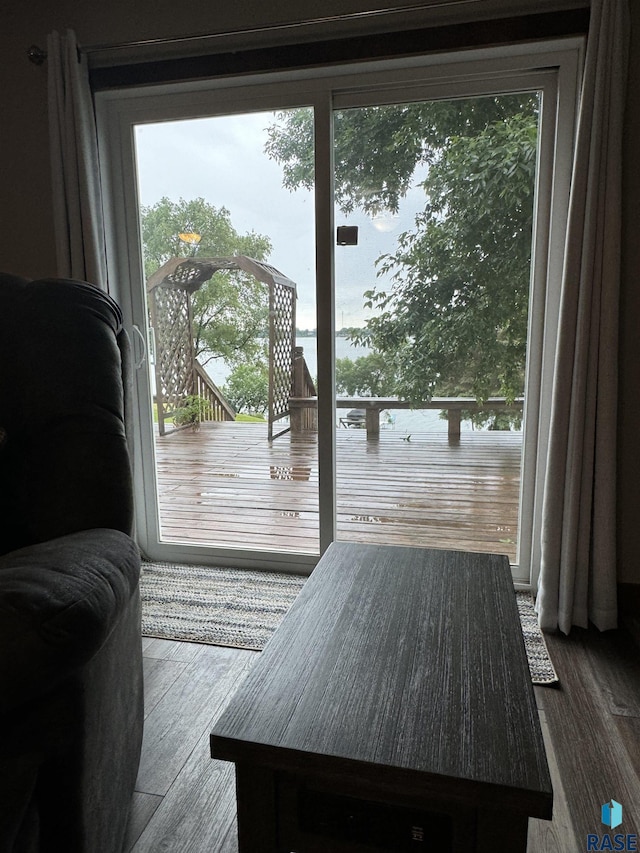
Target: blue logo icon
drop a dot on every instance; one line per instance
(612, 817)
(612, 814)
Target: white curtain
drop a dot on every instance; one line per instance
(578, 551)
(77, 196)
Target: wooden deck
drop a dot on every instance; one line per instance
(225, 485)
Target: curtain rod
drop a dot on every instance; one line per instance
(37, 55)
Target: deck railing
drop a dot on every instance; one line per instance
(214, 406)
(372, 406)
(302, 418)
(217, 408)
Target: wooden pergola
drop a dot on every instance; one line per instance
(178, 373)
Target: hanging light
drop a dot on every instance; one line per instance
(190, 237)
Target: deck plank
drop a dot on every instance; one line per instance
(226, 485)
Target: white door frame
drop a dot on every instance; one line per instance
(552, 67)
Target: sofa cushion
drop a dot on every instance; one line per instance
(64, 464)
(59, 602)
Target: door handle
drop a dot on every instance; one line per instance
(143, 347)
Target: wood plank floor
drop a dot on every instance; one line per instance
(226, 485)
(186, 802)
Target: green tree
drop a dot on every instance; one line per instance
(230, 310)
(453, 319)
(247, 388)
(371, 375)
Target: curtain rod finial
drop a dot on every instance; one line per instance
(36, 54)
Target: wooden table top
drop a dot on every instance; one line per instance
(404, 666)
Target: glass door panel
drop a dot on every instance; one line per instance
(229, 280)
(434, 203)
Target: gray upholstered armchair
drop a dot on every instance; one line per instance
(70, 647)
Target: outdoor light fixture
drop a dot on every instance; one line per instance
(191, 239)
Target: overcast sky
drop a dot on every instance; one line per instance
(222, 160)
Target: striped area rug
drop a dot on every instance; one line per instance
(222, 607)
(238, 608)
(540, 665)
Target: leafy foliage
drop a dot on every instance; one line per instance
(247, 388)
(456, 314)
(370, 375)
(230, 310)
(191, 412)
(453, 320)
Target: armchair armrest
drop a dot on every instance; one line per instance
(59, 602)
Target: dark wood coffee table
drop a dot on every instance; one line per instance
(391, 710)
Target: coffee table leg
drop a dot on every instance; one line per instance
(256, 799)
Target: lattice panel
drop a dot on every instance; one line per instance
(192, 274)
(282, 306)
(174, 356)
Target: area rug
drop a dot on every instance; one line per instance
(238, 608)
(222, 607)
(540, 666)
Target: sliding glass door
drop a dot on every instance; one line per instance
(228, 257)
(435, 203)
(339, 289)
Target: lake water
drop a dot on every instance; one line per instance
(403, 421)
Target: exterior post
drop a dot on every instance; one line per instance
(296, 413)
(453, 423)
(372, 422)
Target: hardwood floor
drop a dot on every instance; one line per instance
(185, 802)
